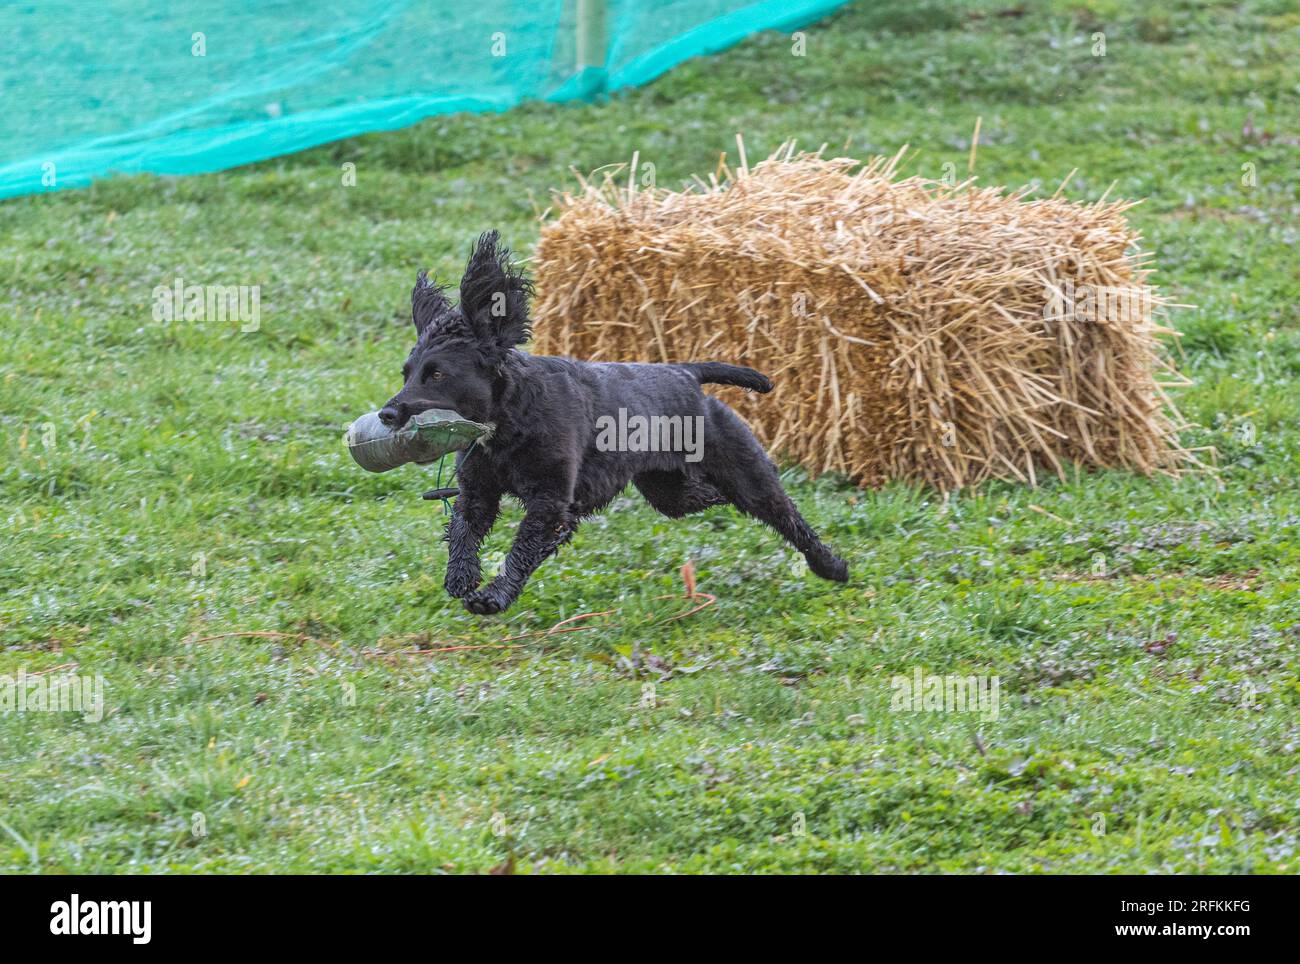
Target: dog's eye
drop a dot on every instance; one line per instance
(432, 374)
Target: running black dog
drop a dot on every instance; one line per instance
(560, 443)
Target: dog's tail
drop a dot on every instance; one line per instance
(717, 373)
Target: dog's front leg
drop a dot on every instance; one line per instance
(472, 517)
(547, 525)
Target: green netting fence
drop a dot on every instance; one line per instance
(189, 86)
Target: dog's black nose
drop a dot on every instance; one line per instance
(389, 416)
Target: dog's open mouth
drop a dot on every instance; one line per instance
(424, 438)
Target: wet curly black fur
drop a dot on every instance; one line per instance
(544, 450)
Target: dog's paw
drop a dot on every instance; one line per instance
(487, 601)
(461, 582)
(829, 566)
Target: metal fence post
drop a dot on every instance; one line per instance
(591, 34)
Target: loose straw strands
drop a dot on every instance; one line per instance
(698, 602)
(915, 329)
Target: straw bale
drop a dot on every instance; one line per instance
(915, 329)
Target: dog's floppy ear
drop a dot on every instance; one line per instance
(427, 302)
(494, 295)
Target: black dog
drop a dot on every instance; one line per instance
(549, 449)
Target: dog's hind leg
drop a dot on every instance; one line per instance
(548, 524)
(736, 464)
(676, 494)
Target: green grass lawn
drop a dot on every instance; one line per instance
(167, 482)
